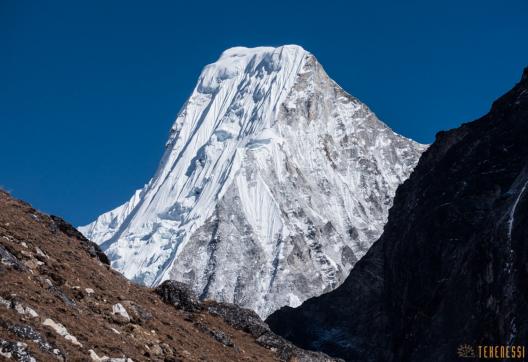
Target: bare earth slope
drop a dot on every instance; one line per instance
(60, 300)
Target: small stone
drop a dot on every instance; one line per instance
(20, 308)
(62, 331)
(115, 331)
(5, 302)
(96, 358)
(156, 350)
(118, 309)
(40, 252)
(25, 253)
(137, 313)
(31, 312)
(33, 263)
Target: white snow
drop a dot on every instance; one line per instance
(511, 219)
(273, 183)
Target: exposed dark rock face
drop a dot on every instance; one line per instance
(182, 297)
(240, 318)
(28, 333)
(451, 266)
(16, 350)
(7, 258)
(216, 334)
(179, 295)
(348, 322)
(69, 230)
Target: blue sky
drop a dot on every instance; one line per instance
(89, 89)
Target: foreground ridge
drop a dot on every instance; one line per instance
(60, 300)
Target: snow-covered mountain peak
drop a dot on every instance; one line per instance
(240, 61)
(240, 53)
(274, 182)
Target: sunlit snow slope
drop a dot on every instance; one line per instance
(273, 184)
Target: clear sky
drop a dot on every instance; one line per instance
(89, 89)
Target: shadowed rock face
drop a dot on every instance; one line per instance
(183, 298)
(450, 267)
(179, 295)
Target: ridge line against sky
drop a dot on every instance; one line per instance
(89, 91)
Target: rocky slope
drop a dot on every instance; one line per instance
(451, 266)
(60, 300)
(273, 184)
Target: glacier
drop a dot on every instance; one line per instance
(273, 184)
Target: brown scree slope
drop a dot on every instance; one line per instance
(50, 275)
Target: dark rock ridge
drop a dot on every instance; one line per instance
(179, 295)
(451, 266)
(69, 230)
(182, 297)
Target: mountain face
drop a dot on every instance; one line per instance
(273, 184)
(451, 266)
(61, 301)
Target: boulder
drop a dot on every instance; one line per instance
(179, 295)
(239, 318)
